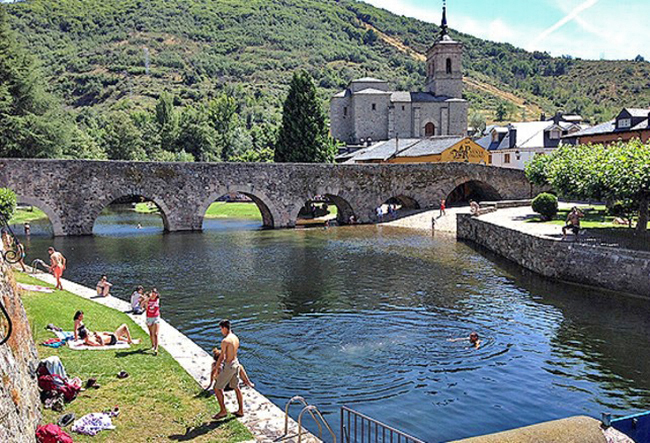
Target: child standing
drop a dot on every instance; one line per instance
(151, 303)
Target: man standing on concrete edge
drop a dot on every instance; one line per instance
(57, 266)
(228, 371)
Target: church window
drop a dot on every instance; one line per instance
(506, 158)
(429, 130)
(555, 134)
(374, 106)
(403, 108)
(448, 66)
(345, 111)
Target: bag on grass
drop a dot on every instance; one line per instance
(52, 433)
(56, 383)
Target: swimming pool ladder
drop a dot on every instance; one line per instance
(359, 428)
(315, 414)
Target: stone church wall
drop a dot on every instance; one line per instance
(20, 410)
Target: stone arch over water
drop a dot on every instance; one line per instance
(52, 215)
(344, 208)
(104, 202)
(269, 212)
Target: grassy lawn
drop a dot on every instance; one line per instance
(159, 401)
(241, 210)
(23, 215)
(596, 217)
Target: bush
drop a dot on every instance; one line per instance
(545, 204)
(7, 203)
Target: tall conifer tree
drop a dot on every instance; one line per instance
(303, 136)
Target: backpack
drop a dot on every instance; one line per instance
(52, 433)
(56, 383)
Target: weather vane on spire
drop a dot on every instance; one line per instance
(444, 29)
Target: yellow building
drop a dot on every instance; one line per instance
(423, 150)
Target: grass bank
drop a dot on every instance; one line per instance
(596, 217)
(159, 401)
(27, 215)
(240, 210)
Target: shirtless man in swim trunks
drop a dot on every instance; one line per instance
(57, 265)
(228, 371)
(573, 222)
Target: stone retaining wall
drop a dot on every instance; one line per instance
(20, 404)
(616, 269)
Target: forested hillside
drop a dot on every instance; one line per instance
(111, 56)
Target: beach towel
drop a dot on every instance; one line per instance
(79, 345)
(92, 424)
(63, 335)
(35, 288)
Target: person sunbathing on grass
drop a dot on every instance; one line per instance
(216, 352)
(100, 338)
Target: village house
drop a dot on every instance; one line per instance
(629, 124)
(516, 144)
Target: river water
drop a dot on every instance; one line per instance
(361, 316)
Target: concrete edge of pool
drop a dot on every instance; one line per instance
(264, 419)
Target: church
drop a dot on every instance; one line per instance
(367, 111)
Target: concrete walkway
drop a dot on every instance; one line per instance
(422, 220)
(264, 419)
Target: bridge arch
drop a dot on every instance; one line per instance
(464, 190)
(332, 197)
(270, 215)
(55, 219)
(104, 202)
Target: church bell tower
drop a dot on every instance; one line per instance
(445, 63)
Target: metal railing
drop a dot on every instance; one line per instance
(359, 428)
(315, 414)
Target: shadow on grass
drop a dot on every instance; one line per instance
(192, 433)
(122, 354)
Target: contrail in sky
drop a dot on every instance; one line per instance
(569, 17)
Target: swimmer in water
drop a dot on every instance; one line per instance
(473, 338)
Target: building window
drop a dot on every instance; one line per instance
(624, 123)
(403, 108)
(374, 106)
(506, 158)
(345, 111)
(429, 130)
(554, 135)
(448, 66)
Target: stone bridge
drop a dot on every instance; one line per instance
(74, 192)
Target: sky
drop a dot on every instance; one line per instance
(589, 29)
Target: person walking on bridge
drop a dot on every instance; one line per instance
(57, 266)
(228, 371)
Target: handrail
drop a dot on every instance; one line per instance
(305, 404)
(365, 434)
(311, 409)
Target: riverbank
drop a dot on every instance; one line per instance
(22, 215)
(238, 210)
(264, 420)
(594, 259)
(159, 400)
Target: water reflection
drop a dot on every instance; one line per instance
(361, 316)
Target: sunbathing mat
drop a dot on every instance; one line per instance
(80, 346)
(35, 288)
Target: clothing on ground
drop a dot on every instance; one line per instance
(92, 424)
(54, 366)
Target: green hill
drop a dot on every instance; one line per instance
(102, 56)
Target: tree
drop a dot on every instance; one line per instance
(477, 121)
(197, 136)
(303, 135)
(616, 172)
(501, 112)
(29, 125)
(222, 113)
(7, 203)
(122, 139)
(167, 122)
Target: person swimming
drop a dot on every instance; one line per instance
(473, 339)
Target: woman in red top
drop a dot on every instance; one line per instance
(151, 303)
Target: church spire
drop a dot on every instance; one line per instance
(444, 29)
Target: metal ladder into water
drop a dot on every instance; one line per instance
(315, 414)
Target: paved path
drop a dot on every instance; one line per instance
(264, 419)
(516, 218)
(422, 220)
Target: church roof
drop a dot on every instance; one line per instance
(368, 80)
(406, 147)
(371, 91)
(430, 146)
(420, 97)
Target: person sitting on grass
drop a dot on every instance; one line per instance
(216, 352)
(573, 222)
(100, 338)
(136, 300)
(473, 339)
